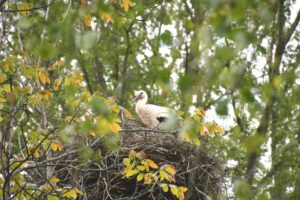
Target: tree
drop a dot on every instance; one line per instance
(68, 69)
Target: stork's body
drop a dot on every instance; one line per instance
(153, 115)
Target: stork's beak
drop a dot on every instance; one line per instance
(136, 98)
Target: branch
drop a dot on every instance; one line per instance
(126, 71)
(27, 10)
(2, 2)
(100, 74)
(292, 28)
(85, 73)
(261, 130)
(280, 18)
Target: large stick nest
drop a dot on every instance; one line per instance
(201, 173)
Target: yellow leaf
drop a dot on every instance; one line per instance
(75, 81)
(201, 112)
(141, 155)
(148, 178)
(193, 140)
(60, 146)
(163, 175)
(146, 164)
(25, 164)
(52, 197)
(28, 90)
(6, 88)
(174, 190)
(115, 109)
(127, 4)
(73, 194)
(53, 146)
(1, 106)
(132, 154)
(78, 191)
(182, 189)
(131, 173)
(203, 131)
(186, 136)
(170, 169)
(171, 179)
(127, 113)
(140, 177)
(44, 77)
(36, 154)
(2, 100)
(141, 168)
(57, 84)
(196, 141)
(54, 180)
(126, 161)
(11, 97)
(46, 94)
(93, 133)
(47, 187)
(218, 129)
(115, 128)
(88, 21)
(164, 187)
(77, 78)
(180, 196)
(24, 9)
(152, 164)
(68, 118)
(106, 17)
(2, 78)
(117, 120)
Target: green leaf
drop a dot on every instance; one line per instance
(167, 38)
(86, 126)
(222, 108)
(46, 50)
(99, 105)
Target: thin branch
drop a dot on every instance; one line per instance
(29, 9)
(292, 28)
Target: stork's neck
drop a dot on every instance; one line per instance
(141, 102)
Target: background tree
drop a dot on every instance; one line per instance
(66, 65)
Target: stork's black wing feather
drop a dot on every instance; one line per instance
(161, 119)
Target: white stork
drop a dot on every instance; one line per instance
(152, 115)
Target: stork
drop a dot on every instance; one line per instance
(152, 115)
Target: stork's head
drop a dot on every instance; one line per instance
(140, 95)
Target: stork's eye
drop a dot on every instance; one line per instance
(141, 93)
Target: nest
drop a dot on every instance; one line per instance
(103, 179)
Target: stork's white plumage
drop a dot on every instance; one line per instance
(153, 115)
